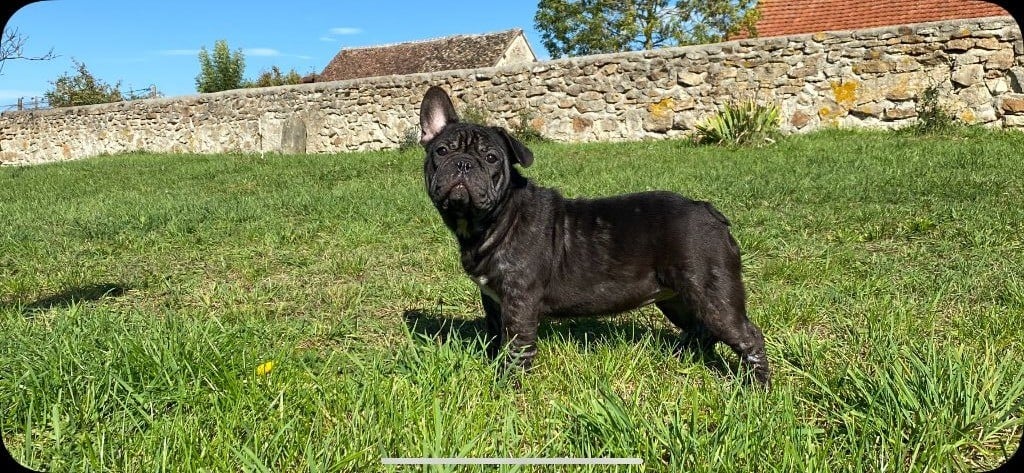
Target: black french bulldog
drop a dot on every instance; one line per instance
(534, 253)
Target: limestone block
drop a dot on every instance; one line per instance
(906, 64)
(691, 79)
(988, 43)
(293, 136)
(968, 75)
(975, 95)
(659, 115)
(997, 86)
(801, 72)
(873, 109)
(985, 115)
(845, 92)
(900, 112)
(874, 66)
(581, 124)
(1001, 59)
(829, 110)
(800, 119)
(1012, 103)
(1013, 121)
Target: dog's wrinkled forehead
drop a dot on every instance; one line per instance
(466, 138)
(439, 123)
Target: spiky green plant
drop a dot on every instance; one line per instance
(741, 123)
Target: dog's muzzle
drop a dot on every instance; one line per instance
(456, 190)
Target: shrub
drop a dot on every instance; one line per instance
(82, 89)
(524, 130)
(410, 139)
(520, 127)
(273, 77)
(475, 115)
(741, 124)
(932, 117)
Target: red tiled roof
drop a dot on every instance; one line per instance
(786, 17)
(452, 52)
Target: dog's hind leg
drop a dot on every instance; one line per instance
(722, 309)
(695, 336)
(712, 307)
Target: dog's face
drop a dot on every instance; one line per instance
(468, 168)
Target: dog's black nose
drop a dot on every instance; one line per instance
(464, 165)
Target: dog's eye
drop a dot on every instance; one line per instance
(441, 150)
(491, 158)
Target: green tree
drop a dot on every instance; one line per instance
(273, 77)
(221, 71)
(580, 27)
(82, 89)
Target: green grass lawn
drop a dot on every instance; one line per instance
(139, 294)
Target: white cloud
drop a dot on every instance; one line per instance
(180, 52)
(345, 30)
(261, 52)
(327, 39)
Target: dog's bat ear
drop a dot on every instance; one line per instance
(436, 112)
(520, 153)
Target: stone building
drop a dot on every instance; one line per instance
(789, 17)
(434, 55)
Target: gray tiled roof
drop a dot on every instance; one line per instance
(442, 54)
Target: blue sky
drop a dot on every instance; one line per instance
(156, 42)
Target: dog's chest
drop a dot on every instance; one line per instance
(487, 272)
(486, 287)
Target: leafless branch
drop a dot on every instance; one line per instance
(12, 47)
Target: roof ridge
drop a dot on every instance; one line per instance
(430, 40)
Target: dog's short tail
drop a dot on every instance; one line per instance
(715, 213)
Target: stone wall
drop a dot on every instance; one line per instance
(869, 78)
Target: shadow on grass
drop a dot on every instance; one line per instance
(586, 333)
(74, 295)
(434, 325)
(589, 333)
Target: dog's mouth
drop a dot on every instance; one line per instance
(464, 192)
(455, 192)
(459, 193)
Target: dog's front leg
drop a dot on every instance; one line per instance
(519, 322)
(492, 312)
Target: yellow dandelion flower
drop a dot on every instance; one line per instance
(265, 368)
